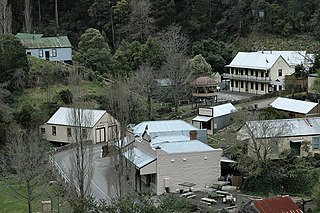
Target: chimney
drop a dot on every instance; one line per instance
(193, 135)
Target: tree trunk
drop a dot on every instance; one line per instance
(112, 30)
(5, 17)
(56, 13)
(27, 15)
(29, 189)
(39, 10)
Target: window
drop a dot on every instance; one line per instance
(315, 143)
(237, 84)
(251, 85)
(241, 83)
(84, 134)
(262, 74)
(279, 72)
(262, 87)
(251, 72)
(232, 71)
(256, 86)
(257, 73)
(40, 53)
(267, 74)
(153, 178)
(54, 52)
(43, 131)
(236, 72)
(232, 83)
(68, 132)
(246, 72)
(54, 130)
(28, 53)
(274, 146)
(280, 87)
(241, 72)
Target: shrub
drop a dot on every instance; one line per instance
(65, 96)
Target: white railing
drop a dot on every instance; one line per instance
(246, 77)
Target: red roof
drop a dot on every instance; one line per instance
(277, 205)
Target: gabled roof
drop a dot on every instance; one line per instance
(36, 41)
(277, 205)
(292, 105)
(223, 109)
(284, 127)
(254, 60)
(291, 57)
(138, 157)
(66, 117)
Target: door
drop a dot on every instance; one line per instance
(47, 54)
(295, 148)
(100, 135)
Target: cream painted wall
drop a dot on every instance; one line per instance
(201, 168)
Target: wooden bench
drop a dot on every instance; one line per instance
(208, 200)
(191, 196)
(186, 194)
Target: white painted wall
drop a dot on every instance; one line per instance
(63, 54)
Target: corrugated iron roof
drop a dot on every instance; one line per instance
(138, 157)
(223, 109)
(166, 126)
(36, 41)
(202, 118)
(293, 105)
(292, 57)
(64, 116)
(285, 127)
(277, 205)
(253, 60)
(185, 147)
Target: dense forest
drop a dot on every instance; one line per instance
(120, 20)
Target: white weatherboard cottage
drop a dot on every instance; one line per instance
(262, 72)
(57, 48)
(96, 125)
(164, 155)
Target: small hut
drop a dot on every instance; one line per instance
(204, 91)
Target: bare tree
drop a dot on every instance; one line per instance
(174, 40)
(39, 10)
(118, 105)
(143, 83)
(176, 71)
(141, 24)
(5, 17)
(81, 157)
(27, 15)
(26, 156)
(264, 136)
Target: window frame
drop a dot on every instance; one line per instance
(69, 132)
(54, 130)
(40, 53)
(279, 72)
(54, 52)
(313, 142)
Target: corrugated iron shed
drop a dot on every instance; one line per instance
(277, 205)
(138, 157)
(292, 105)
(36, 41)
(223, 109)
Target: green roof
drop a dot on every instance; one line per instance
(36, 41)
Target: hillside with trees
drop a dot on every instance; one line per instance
(124, 52)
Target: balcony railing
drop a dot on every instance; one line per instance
(247, 78)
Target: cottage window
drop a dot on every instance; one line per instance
(84, 134)
(315, 143)
(68, 132)
(40, 53)
(54, 52)
(279, 72)
(54, 130)
(280, 87)
(43, 131)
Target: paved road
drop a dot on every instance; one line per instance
(99, 186)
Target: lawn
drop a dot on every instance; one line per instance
(10, 202)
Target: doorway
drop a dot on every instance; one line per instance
(47, 55)
(295, 148)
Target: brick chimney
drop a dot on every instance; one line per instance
(193, 135)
